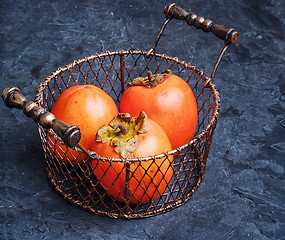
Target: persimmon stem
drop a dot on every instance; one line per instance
(122, 127)
(151, 80)
(150, 76)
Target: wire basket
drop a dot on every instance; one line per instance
(112, 71)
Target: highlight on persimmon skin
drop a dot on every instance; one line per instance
(87, 107)
(167, 99)
(147, 179)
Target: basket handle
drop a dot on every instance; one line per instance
(228, 35)
(174, 11)
(13, 98)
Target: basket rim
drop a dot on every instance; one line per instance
(38, 100)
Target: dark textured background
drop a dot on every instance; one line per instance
(242, 195)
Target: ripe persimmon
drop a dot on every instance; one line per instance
(87, 107)
(168, 100)
(127, 137)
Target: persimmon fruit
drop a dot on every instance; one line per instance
(168, 100)
(127, 137)
(87, 107)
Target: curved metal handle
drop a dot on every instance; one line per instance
(174, 11)
(13, 98)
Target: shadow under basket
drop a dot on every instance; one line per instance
(112, 71)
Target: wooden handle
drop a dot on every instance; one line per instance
(174, 11)
(13, 98)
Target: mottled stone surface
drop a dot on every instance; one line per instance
(243, 192)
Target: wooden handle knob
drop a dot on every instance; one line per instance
(174, 11)
(13, 98)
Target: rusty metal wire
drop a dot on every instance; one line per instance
(111, 71)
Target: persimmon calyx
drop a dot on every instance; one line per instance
(122, 132)
(152, 80)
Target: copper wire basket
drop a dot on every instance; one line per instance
(111, 71)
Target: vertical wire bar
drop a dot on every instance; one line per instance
(127, 187)
(122, 73)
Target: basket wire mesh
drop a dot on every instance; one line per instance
(111, 71)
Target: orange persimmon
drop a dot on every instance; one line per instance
(87, 107)
(127, 137)
(168, 100)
